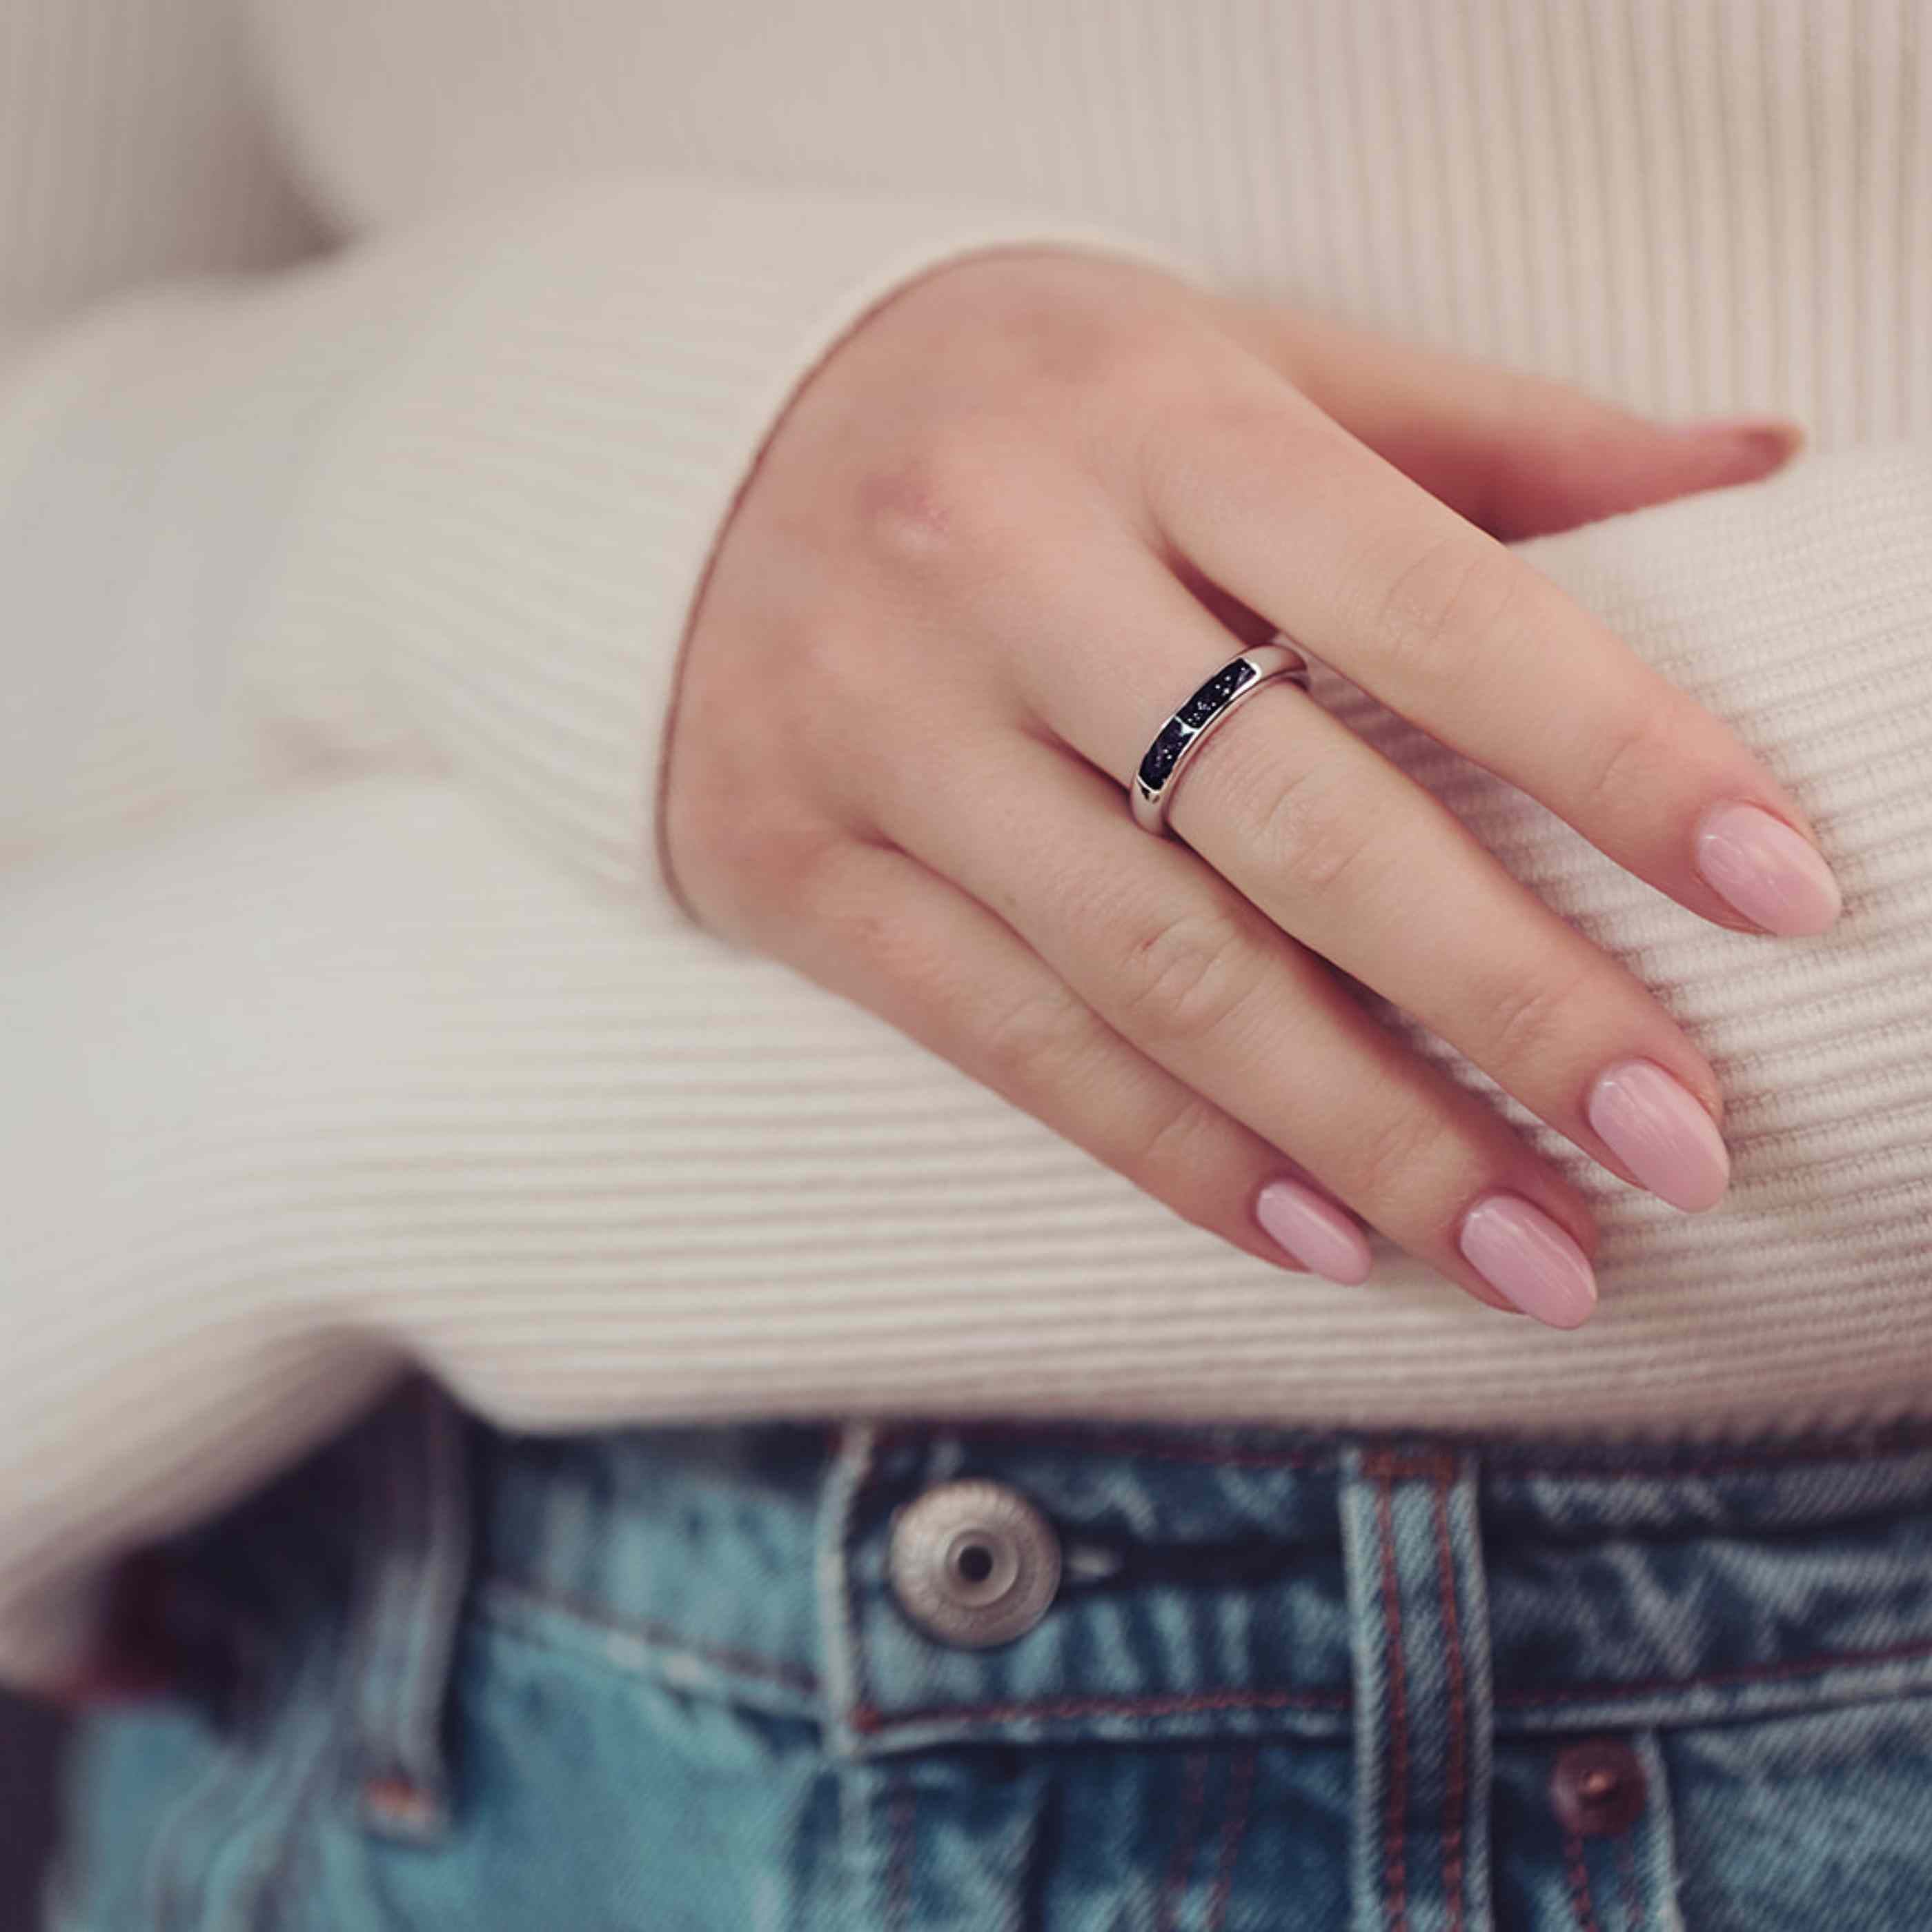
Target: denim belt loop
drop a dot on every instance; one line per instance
(1424, 1707)
(414, 1560)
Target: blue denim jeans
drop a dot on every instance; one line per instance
(667, 1681)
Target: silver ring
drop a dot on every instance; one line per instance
(1151, 793)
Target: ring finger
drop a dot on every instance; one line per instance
(912, 947)
(1173, 958)
(1340, 848)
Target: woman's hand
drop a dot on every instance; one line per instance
(1006, 528)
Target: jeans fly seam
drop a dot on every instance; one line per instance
(1187, 1834)
(1457, 1795)
(1241, 1808)
(1395, 1803)
(900, 1802)
(1634, 1911)
(1580, 1900)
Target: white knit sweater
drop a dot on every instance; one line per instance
(378, 375)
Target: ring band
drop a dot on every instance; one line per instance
(1151, 793)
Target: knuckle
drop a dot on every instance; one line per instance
(1186, 978)
(1030, 1033)
(760, 902)
(1444, 602)
(1635, 757)
(1199, 433)
(1527, 1014)
(1403, 1164)
(1236, 421)
(1091, 354)
(1265, 425)
(1079, 324)
(1307, 832)
(925, 506)
(1183, 1149)
(778, 869)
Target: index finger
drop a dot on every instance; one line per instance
(1279, 506)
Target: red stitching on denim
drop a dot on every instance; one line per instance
(1580, 1901)
(1633, 1909)
(1746, 1673)
(898, 1854)
(1457, 1793)
(868, 1718)
(1186, 1836)
(510, 1589)
(1395, 1808)
(1240, 1809)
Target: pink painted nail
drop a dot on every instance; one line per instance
(1672, 1145)
(1316, 1232)
(1767, 871)
(1525, 1257)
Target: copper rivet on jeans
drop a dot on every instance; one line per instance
(1598, 1787)
(973, 1563)
(397, 1801)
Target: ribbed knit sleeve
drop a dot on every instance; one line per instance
(355, 1079)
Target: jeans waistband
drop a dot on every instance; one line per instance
(1217, 1582)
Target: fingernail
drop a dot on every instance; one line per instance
(1525, 1257)
(1316, 1232)
(1765, 443)
(1661, 1131)
(1767, 871)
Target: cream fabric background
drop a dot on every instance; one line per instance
(350, 1023)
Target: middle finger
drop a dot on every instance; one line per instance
(1342, 849)
(1283, 509)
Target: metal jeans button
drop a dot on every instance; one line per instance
(1598, 1787)
(972, 1563)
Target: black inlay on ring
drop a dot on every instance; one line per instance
(1192, 719)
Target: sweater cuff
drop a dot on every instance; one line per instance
(509, 523)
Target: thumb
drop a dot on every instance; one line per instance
(1518, 454)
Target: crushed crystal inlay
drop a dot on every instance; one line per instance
(1192, 719)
